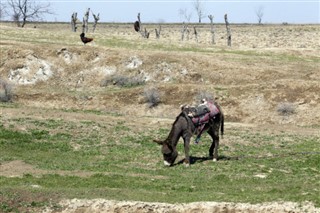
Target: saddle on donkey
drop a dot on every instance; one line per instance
(201, 115)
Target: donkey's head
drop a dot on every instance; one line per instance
(169, 153)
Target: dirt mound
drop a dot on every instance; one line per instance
(101, 205)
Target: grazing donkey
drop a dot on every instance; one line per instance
(186, 125)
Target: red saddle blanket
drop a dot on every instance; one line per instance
(206, 117)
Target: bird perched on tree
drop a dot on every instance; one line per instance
(85, 39)
(136, 26)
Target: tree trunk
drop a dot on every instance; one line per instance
(85, 21)
(195, 34)
(74, 22)
(96, 19)
(145, 33)
(158, 32)
(228, 30)
(212, 29)
(183, 31)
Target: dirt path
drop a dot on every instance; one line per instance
(107, 206)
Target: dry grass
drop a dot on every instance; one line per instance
(249, 82)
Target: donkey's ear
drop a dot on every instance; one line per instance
(183, 107)
(158, 141)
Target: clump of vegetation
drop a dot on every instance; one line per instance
(204, 95)
(122, 81)
(152, 96)
(285, 109)
(5, 91)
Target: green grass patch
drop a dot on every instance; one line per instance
(126, 165)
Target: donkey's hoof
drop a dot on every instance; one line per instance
(214, 159)
(166, 163)
(186, 164)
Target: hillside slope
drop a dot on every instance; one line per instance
(253, 85)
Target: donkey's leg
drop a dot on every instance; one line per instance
(186, 150)
(214, 133)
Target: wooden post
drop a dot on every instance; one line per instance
(228, 30)
(212, 29)
(74, 22)
(96, 19)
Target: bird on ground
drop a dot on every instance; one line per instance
(85, 39)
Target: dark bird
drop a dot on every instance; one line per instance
(85, 39)
(137, 26)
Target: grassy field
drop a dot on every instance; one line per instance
(62, 140)
(88, 159)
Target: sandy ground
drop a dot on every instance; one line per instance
(105, 206)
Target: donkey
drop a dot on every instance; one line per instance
(185, 126)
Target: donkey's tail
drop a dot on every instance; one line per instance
(222, 124)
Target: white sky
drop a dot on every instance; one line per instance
(239, 11)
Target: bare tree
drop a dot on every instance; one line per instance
(185, 30)
(96, 19)
(184, 15)
(198, 6)
(85, 21)
(3, 11)
(259, 13)
(28, 10)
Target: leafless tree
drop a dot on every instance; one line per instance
(185, 30)
(85, 21)
(259, 13)
(28, 10)
(198, 6)
(3, 11)
(184, 15)
(96, 19)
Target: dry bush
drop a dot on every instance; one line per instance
(5, 91)
(122, 81)
(204, 95)
(152, 96)
(285, 108)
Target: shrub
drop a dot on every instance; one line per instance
(152, 97)
(122, 81)
(285, 108)
(5, 91)
(204, 94)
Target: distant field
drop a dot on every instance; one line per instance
(68, 133)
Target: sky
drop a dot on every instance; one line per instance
(167, 11)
